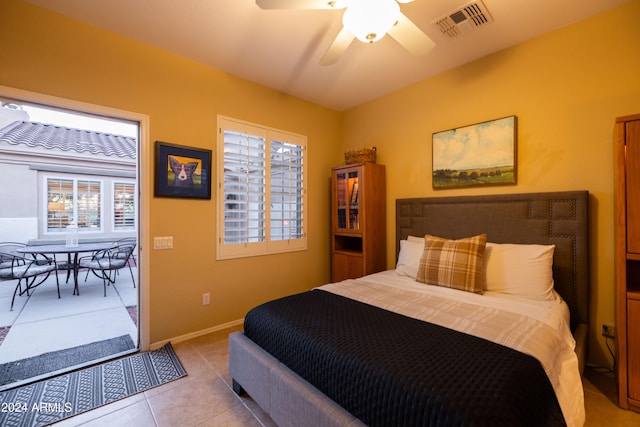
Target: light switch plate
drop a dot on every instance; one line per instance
(163, 242)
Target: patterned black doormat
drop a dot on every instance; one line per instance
(51, 400)
(37, 366)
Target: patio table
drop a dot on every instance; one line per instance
(72, 255)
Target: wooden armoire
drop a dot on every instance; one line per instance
(627, 258)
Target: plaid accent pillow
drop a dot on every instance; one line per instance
(455, 264)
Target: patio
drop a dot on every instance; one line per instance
(42, 323)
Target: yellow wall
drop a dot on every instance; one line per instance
(48, 53)
(566, 88)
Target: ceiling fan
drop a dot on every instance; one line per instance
(366, 20)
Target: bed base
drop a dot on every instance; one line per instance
(286, 397)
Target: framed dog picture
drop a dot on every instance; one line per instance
(182, 171)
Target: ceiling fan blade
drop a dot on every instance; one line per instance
(337, 48)
(411, 37)
(296, 4)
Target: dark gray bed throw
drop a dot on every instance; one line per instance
(391, 370)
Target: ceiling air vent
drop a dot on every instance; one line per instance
(463, 20)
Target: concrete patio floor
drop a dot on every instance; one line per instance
(42, 323)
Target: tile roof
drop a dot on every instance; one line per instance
(51, 136)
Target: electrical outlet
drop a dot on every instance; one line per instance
(206, 299)
(608, 330)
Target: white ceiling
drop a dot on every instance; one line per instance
(281, 48)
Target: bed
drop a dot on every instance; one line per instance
(392, 349)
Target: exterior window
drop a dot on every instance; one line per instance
(88, 206)
(124, 209)
(59, 203)
(244, 187)
(73, 200)
(286, 191)
(262, 194)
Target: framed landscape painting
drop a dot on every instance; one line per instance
(475, 155)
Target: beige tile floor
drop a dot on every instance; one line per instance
(204, 398)
(600, 398)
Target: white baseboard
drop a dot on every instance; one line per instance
(191, 335)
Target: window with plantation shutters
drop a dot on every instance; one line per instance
(262, 194)
(88, 204)
(286, 191)
(124, 208)
(60, 196)
(244, 189)
(73, 200)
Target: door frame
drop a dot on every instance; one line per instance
(144, 187)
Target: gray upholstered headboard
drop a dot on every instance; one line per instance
(559, 218)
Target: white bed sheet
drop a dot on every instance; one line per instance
(538, 328)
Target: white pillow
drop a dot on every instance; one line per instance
(523, 270)
(515, 269)
(409, 257)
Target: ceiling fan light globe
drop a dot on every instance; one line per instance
(369, 20)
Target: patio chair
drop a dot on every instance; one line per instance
(17, 266)
(106, 262)
(131, 258)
